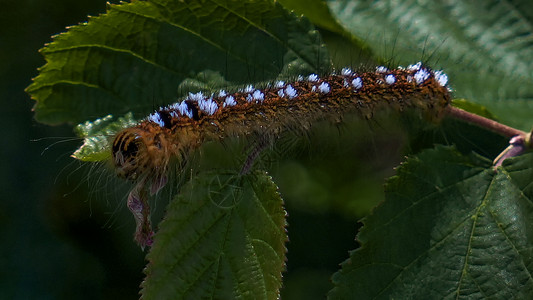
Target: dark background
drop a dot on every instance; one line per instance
(66, 234)
(58, 241)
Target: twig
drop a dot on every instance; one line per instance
(519, 141)
(483, 122)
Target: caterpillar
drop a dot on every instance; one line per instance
(142, 153)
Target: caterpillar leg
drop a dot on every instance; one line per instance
(261, 145)
(139, 207)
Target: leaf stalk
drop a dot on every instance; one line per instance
(519, 141)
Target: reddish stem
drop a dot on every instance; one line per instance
(519, 141)
(483, 122)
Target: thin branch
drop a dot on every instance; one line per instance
(483, 122)
(519, 141)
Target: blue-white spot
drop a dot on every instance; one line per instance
(249, 98)
(345, 83)
(324, 88)
(312, 78)
(300, 78)
(414, 67)
(174, 106)
(279, 84)
(381, 69)
(249, 88)
(156, 118)
(421, 76)
(196, 97)
(390, 79)
(184, 110)
(281, 93)
(346, 72)
(291, 92)
(174, 114)
(230, 101)
(357, 83)
(208, 106)
(222, 93)
(258, 96)
(441, 78)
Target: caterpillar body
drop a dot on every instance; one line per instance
(142, 153)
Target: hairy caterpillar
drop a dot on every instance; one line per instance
(142, 153)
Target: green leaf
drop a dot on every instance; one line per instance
(484, 46)
(451, 227)
(316, 11)
(223, 237)
(96, 135)
(141, 55)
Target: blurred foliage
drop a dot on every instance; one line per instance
(60, 240)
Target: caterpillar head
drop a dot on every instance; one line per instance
(140, 152)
